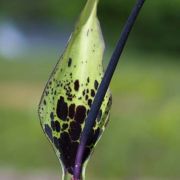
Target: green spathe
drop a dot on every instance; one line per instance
(70, 91)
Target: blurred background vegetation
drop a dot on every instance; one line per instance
(157, 29)
(143, 137)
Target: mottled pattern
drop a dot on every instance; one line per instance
(70, 92)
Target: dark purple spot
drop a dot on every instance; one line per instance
(96, 84)
(76, 85)
(65, 146)
(110, 101)
(62, 109)
(44, 102)
(80, 114)
(70, 98)
(65, 137)
(86, 97)
(64, 140)
(92, 92)
(57, 126)
(69, 62)
(53, 126)
(88, 80)
(75, 131)
(90, 102)
(64, 126)
(74, 147)
(51, 115)
(71, 111)
(48, 131)
(84, 93)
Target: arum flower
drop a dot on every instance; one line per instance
(74, 108)
(70, 91)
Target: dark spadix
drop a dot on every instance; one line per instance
(104, 86)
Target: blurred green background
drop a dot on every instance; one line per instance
(143, 137)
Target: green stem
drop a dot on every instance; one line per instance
(67, 176)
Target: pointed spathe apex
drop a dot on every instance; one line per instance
(89, 11)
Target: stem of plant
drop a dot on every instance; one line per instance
(104, 86)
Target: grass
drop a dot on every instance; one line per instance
(143, 136)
